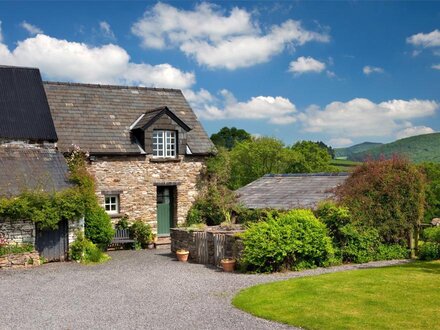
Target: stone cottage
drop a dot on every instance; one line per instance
(146, 147)
(29, 159)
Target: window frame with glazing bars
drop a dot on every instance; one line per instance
(164, 144)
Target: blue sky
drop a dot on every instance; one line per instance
(340, 72)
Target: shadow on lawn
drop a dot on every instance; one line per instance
(432, 267)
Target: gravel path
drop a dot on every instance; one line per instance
(134, 290)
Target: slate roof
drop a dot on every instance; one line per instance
(290, 191)
(98, 117)
(24, 111)
(151, 116)
(31, 168)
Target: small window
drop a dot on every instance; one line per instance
(164, 144)
(111, 204)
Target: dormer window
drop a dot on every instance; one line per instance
(164, 144)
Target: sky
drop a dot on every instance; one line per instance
(341, 72)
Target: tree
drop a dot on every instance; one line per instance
(314, 158)
(229, 137)
(251, 159)
(432, 173)
(388, 195)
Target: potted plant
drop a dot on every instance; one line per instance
(228, 264)
(182, 255)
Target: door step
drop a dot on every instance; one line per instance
(163, 242)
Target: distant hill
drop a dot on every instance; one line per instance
(346, 153)
(420, 148)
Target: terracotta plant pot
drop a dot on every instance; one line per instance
(228, 264)
(182, 255)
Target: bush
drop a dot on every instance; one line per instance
(429, 251)
(15, 248)
(335, 218)
(431, 234)
(84, 251)
(141, 233)
(388, 195)
(391, 252)
(358, 245)
(123, 223)
(194, 216)
(295, 240)
(98, 227)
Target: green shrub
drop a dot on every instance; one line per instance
(358, 244)
(15, 248)
(293, 241)
(429, 251)
(141, 233)
(98, 227)
(335, 218)
(431, 234)
(391, 252)
(194, 216)
(245, 215)
(123, 223)
(84, 251)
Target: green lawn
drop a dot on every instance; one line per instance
(398, 297)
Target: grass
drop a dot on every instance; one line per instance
(398, 297)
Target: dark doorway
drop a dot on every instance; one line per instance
(53, 244)
(165, 209)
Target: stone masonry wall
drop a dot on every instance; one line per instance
(18, 260)
(136, 178)
(18, 231)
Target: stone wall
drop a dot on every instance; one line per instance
(136, 178)
(23, 231)
(18, 231)
(217, 244)
(18, 260)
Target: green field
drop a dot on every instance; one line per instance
(344, 165)
(398, 297)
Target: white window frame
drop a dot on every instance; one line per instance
(164, 144)
(111, 203)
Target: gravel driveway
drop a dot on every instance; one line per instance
(136, 289)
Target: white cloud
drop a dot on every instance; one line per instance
(412, 131)
(363, 118)
(217, 40)
(436, 66)
(106, 30)
(425, 40)
(276, 110)
(340, 142)
(31, 29)
(108, 64)
(367, 70)
(306, 64)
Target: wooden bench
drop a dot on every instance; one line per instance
(121, 238)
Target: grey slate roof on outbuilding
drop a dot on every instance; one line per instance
(24, 111)
(31, 168)
(290, 191)
(98, 117)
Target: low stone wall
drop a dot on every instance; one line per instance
(19, 260)
(207, 246)
(18, 231)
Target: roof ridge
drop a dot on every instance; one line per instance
(110, 86)
(306, 174)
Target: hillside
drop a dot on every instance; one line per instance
(420, 148)
(357, 148)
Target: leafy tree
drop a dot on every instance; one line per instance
(229, 137)
(314, 158)
(432, 173)
(330, 150)
(388, 195)
(251, 159)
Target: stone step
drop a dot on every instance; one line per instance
(163, 243)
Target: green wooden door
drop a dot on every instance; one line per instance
(164, 210)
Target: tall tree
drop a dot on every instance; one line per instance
(229, 137)
(254, 158)
(314, 157)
